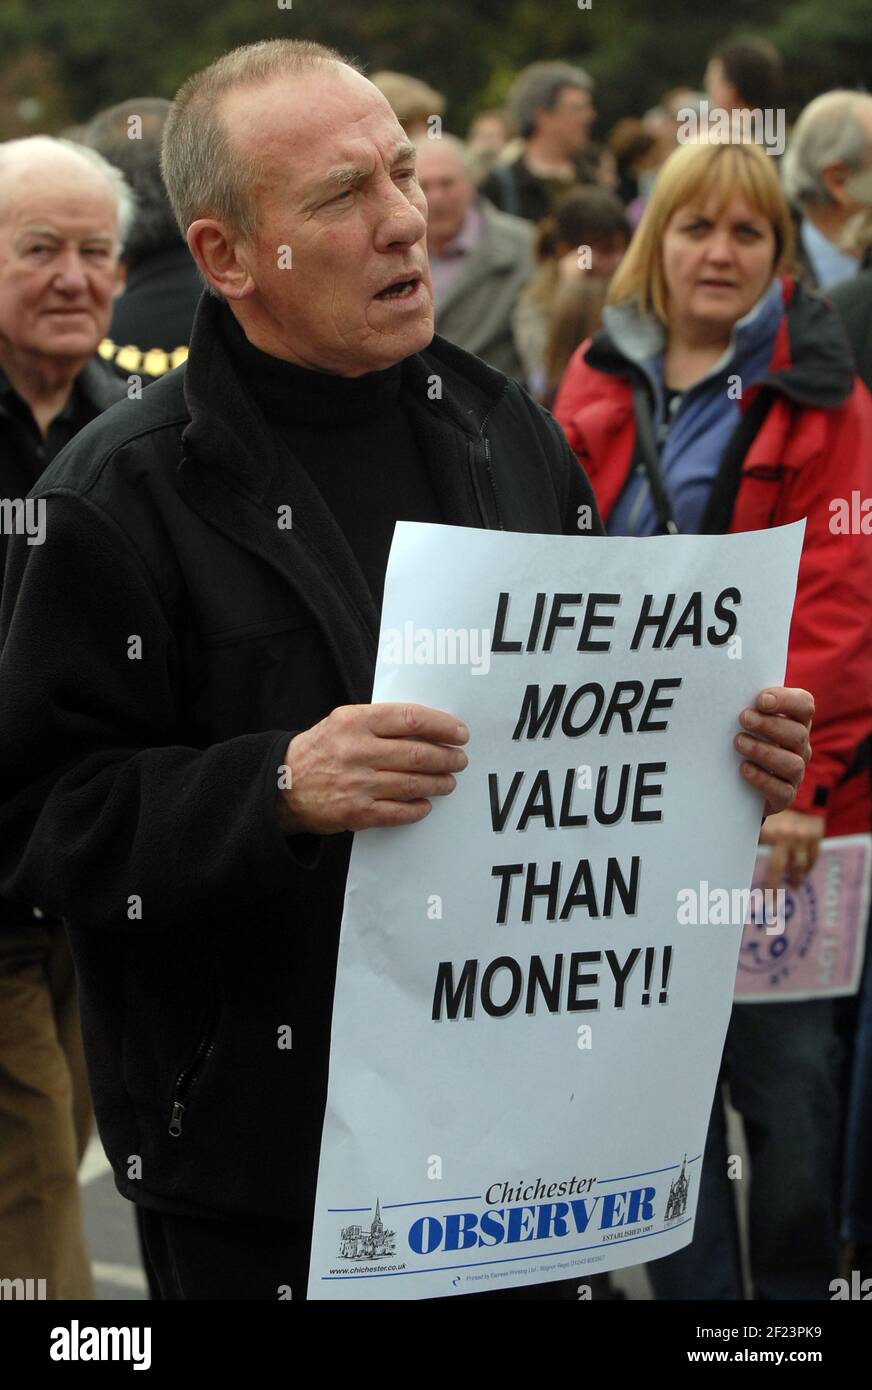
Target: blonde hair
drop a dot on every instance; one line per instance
(693, 174)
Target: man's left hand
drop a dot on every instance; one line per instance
(776, 745)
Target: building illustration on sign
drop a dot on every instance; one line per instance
(358, 1244)
(676, 1202)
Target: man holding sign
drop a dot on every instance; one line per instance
(186, 736)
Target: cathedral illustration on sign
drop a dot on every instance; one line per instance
(358, 1244)
(676, 1202)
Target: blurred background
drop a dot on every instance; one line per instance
(60, 62)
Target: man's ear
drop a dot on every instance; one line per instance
(120, 279)
(220, 258)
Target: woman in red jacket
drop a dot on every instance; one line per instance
(721, 396)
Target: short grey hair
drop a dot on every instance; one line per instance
(829, 131)
(124, 198)
(137, 155)
(450, 142)
(538, 88)
(204, 175)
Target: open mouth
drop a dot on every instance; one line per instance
(400, 289)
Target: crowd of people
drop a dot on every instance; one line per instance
(694, 314)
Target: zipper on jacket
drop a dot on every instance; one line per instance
(490, 473)
(476, 484)
(185, 1080)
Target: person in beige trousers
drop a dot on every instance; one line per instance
(64, 212)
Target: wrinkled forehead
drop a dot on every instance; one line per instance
(55, 192)
(298, 128)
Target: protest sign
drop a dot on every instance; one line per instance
(808, 942)
(525, 1039)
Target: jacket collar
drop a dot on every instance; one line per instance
(495, 252)
(642, 338)
(811, 361)
(98, 385)
(237, 473)
(452, 388)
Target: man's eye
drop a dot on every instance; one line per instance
(36, 249)
(98, 251)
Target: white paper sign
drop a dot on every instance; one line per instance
(525, 1040)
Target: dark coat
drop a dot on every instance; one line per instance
(97, 387)
(147, 784)
(515, 189)
(159, 301)
(852, 299)
(21, 462)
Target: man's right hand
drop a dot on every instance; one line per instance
(368, 765)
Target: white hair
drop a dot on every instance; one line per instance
(449, 142)
(829, 131)
(125, 201)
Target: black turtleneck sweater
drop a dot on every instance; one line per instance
(352, 436)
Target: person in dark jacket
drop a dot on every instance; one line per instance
(852, 300)
(63, 215)
(151, 325)
(551, 104)
(210, 590)
(720, 397)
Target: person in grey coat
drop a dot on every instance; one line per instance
(480, 258)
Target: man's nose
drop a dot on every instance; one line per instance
(401, 220)
(69, 273)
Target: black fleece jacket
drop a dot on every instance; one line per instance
(159, 649)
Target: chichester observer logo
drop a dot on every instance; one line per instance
(375, 1244)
